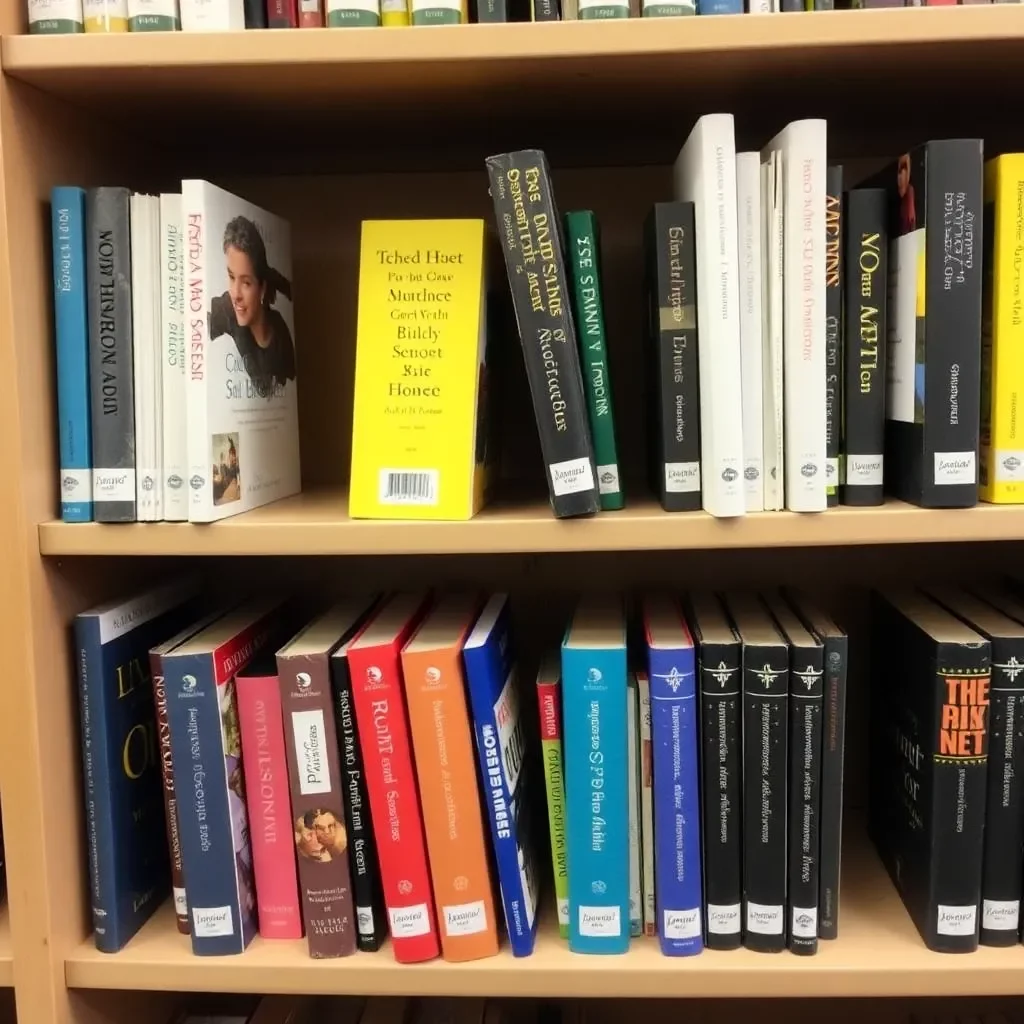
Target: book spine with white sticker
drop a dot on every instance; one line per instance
(646, 803)
(549, 702)
(833, 328)
(174, 439)
(636, 899)
(772, 289)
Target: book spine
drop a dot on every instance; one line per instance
(266, 773)
(55, 17)
(647, 804)
(834, 340)
(636, 900)
(174, 439)
(722, 786)
(749, 225)
(71, 323)
(806, 682)
(353, 13)
(112, 402)
(952, 287)
(171, 813)
(491, 11)
(1003, 859)
(394, 13)
(282, 14)
(549, 698)
(153, 16)
(317, 805)
(255, 14)
(394, 803)
(544, 10)
(676, 801)
(201, 781)
(772, 291)
(144, 352)
(962, 682)
(663, 9)
(438, 12)
(672, 277)
(105, 15)
(833, 736)
(864, 335)
(765, 769)
(596, 799)
(215, 16)
(601, 10)
(583, 245)
(367, 891)
(524, 207)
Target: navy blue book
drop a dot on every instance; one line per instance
(506, 744)
(124, 805)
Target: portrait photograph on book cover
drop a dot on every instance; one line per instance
(320, 835)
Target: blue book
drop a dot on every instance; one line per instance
(671, 667)
(129, 868)
(719, 6)
(71, 327)
(509, 767)
(596, 774)
(206, 747)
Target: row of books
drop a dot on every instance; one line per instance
(176, 367)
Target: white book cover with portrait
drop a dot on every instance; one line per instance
(241, 388)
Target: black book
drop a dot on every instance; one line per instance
(934, 358)
(998, 618)
(364, 867)
(255, 13)
(930, 676)
(833, 327)
(806, 690)
(546, 10)
(491, 11)
(867, 249)
(765, 769)
(719, 658)
(111, 366)
(833, 734)
(529, 229)
(674, 392)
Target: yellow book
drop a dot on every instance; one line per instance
(394, 13)
(1002, 333)
(419, 437)
(105, 15)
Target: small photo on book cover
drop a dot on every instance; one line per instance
(320, 835)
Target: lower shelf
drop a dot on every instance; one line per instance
(879, 954)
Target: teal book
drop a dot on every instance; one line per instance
(596, 776)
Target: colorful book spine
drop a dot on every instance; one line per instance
(174, 431)
(282, 14)
(833, 328)
(105, 15)
(311, 14)
(55, 17)
(583, 244)
(636, 898)
(549, 699)
(647, 803)
(394, 13)
(71, 323)
(266, 774)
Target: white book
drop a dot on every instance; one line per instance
(646, 803)
(803, 146)
(748, 241)
(173, 350)
(771, 334)
(705, 175)
(241, 389)
(636, 898)
(759, 6)
(212, 15)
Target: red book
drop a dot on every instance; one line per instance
(375, 665)
(267, 798)
(282, 14)
(311, 14)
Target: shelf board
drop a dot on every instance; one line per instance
(316, 523)
(6, 956)
(879, 953)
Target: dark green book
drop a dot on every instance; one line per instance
(583, 252)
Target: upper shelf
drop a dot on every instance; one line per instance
(316, 523)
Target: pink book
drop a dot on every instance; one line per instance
(265, 766)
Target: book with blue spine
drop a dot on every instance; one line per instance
(597, 801)
(71, 327)
(129, 870)
(671, 668)
(506, 743)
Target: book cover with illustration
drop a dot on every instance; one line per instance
(242, 391)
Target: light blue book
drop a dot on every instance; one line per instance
(596, 777)
(67, 206)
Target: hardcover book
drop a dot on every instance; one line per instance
(241, 390)
(597, 809)
(930, 676)
(105, 15)
(173, 420)
(55, 17)
(282, 14)
(153, 16)
(213, 15)
(647, 803)
(772, 331)
(124, 807)
(719, 660)
(671, 668)
(636, 898)
(834, 340)
(420, 439)
(530, 233)
(507, 748)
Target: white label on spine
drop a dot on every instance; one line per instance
(311, 752)
(1009, 466)
(1000, 915)
(210, 922)
(600, 922)
(805, 922)
(76, 485)
(954, 468)
(724, 918)
(563, 912)
(180, 902)
(765, 919)
(608, 479)
(682, 477)
(956, 920)
(113, 484)
(572, 476)
(408, 922)
(364, 920)
(864, 470)
(57, 10)
(831, 472)
(465, 918)
(681, 924)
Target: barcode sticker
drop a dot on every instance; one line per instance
(408, 486)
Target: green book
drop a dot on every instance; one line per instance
(549, 699)
(583, 245)
(601, 10)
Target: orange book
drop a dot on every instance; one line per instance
(442, 741)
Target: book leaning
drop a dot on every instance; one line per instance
(241, 389)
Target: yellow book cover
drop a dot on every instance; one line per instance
(394, 13)
(419, 437)
(1002, 333)
(105, 15)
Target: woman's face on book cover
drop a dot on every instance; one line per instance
(245, 290)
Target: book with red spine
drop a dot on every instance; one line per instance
(311, 14)
(282, 14)
(375, 664)
(265, 766)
